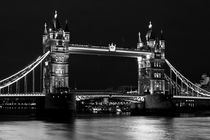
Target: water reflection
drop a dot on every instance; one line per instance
(104, 128)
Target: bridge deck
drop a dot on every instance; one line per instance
(88, 94)
(191, 97)
(98, 94)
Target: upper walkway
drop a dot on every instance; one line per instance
(111, 50)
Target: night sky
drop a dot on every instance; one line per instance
(185, 24)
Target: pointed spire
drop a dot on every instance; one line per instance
(66, 27)
(162, 40)
(56, 14)
(140, 37)
(149, 32)
(140, 43)
(56, 23)
(150, 25)
(45, 28)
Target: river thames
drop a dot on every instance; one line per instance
(104, 127)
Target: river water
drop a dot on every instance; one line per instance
(20, 127)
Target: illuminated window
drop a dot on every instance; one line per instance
(67, 37)
(157, 85)
(162, 44)
(51, 35)
(59, 59)
(157, 75)
(46, 63)
(162, 56)
(59, 82)
(147, 63)
(59, 71)
(157, 50)
(157, 64)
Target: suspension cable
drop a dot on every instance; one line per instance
(21, 70)
(24, 73)
(187, 82)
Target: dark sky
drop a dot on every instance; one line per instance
(186, 26)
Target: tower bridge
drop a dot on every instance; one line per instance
(156, 88)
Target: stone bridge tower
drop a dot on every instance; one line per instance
(55, 68)
(151, 78)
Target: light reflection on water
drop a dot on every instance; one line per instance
(105, 128)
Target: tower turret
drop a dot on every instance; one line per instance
(45, 34)
(151, 67)
(45, 29)
(140, 43)
(56, 23)
(150, 36)
(162, 44)
(67, 32)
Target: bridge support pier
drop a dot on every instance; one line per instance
(153, 104)
(158, 102)
(60, 103)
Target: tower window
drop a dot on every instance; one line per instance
(51, 35)
(59, 59)
(147, 63)
(157, 75)
(158, 85)
(67, 37)
(59, 71)
(157, 64)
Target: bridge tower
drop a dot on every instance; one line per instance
(151, 78)
(55, 69)
(157, 67)
(151, 67)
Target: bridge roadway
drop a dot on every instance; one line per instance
(90, 93)
(191, 97)
(104, 50)
(98, 93)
